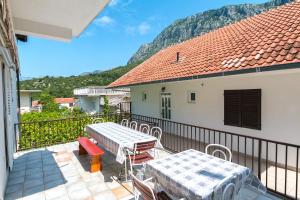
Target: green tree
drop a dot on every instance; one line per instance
(106, 108)
(48, 103)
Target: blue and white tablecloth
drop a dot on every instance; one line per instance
(195, 175)
(115, 138)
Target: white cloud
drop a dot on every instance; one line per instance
(141, 29)
(113, 3)
(104, 21)
(144, 28)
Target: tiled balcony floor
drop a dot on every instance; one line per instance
(58, 172)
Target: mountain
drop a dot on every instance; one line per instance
(64, 86)
(195, 25)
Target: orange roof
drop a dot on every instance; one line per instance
(64, 100)
(268, 39)
(35, 103)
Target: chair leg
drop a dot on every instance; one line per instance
(126, 169)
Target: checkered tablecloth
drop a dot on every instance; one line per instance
(115, 138)
(195, 175)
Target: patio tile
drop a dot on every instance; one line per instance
(106, 195)
(122, 191)
(33, 183)
(14, 196)
(15, 180)
(54, 177)
(80, 194)
(54, 183)
(35, 196)
(15, 188)
(33, 190)
(97, 188)
(56, 192)
(75, 186)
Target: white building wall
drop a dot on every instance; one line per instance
(11, 117)
(89, 104)
(280, 104)
(25, 102)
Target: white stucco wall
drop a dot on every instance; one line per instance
(89, 104)
(280, 104)
(25, 102)
(11, 118)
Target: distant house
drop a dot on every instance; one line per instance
(65, 102)
(242, 78)
(91, 99)
(26, 100)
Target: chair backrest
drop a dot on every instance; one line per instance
(218, 148)
(124, 122)
(156, 132)
(145, 128)
(98, 120)
(144, 146)
(133, 125)
(229, 192)
(145, 190)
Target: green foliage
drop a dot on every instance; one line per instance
(49, 128)
(106, 108)
(48, 103)
(64, 86)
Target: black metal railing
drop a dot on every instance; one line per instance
(125, 107)
(275, 163)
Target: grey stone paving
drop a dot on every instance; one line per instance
(58, 173)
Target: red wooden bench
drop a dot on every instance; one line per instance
(88, 147)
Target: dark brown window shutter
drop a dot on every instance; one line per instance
(251, 109)
(242, 108)
(232, 108)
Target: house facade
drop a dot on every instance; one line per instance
(19, 19)
(65, 102)
(26, 100)
(240, 79)
(91, 99)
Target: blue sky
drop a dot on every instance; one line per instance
(111, 39)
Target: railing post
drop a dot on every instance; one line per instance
(130, 107)
(259, 160)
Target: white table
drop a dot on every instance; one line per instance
(115, 138)
(195, 175)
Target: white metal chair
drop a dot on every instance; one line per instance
(125, 122)
(142, 188)
(156, 132)
(229, 193)
(98, 120)
(145, 128)
(139, 155)
(133, 125)
(218, 149)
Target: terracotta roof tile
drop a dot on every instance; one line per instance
(267, 39)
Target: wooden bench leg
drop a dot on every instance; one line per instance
(82, 151)
(96, 163)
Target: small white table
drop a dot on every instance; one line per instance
(115, 138)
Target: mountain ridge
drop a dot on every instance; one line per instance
(198, 24)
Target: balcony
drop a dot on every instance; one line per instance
(275, 163)
(99, 91)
